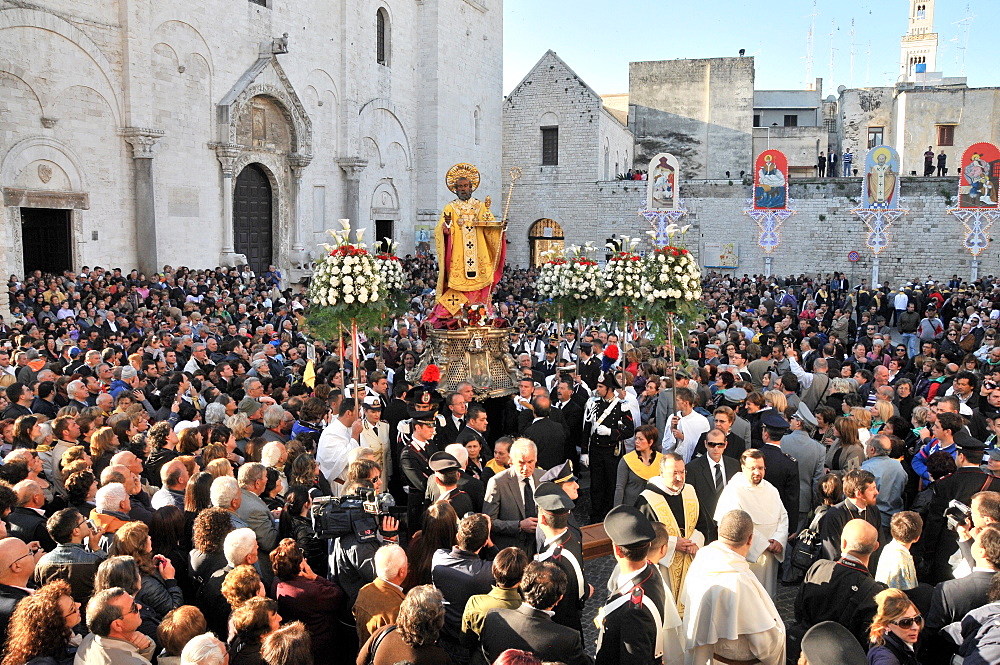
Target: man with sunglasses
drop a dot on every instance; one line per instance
(709, 474)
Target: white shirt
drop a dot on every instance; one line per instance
(713, 465)
(331, 453)
(692, 426)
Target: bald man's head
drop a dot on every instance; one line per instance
(859, 538)
(128, 459)
(16, 562)
(29, 493)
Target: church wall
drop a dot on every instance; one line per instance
(620, 144)
(928, 241)
(699, 110)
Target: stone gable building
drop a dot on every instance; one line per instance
(141, 133)
(567, 143)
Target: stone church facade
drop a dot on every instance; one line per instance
(205, 133)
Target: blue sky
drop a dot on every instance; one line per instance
(599, 38)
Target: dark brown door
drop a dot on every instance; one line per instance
(252, 217)
(45, 238)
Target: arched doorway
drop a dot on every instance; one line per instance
(545, 235)
(252, 222)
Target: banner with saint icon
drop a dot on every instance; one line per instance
(880, 186)
(979, 176)
(770, 183)
(662, 192)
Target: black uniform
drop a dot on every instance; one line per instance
(563, 552)
(605, 451)
(414, 465)
(940, 542)
(628, 633)
(590, 370)
(783, 473)
(842, 591)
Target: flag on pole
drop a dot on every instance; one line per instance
(309, 375)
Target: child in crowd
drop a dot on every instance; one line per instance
(895, 566)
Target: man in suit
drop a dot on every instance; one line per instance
(27, 520)
(476, 424)
(562, 547)
(17, 565)
(940, 542)
(952, 599)
(547, 366)
(454, 420)
(810, 455)
(510, 499)
(253, 510)
(461, 574)
(549, 436)
(708, 474)
(589, 365)
(572, 414)
(530, 627)
(782, 470)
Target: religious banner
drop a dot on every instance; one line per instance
(770, 184)
(880, 190)
(979, 176)
(662, 190)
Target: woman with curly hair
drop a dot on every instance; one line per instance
(241, 584)
(295, 523)
(163, 440)
(211, 527)
(305, 596)
(103, 446)
(305, 471)
(41, 628)
(81, 490)
(415, 634)
(440, 532)
(251, 623)
(159, 591)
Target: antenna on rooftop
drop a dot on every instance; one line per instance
(851, 77)
(868, 64)
(809, 46)
(965, 25)
(833, 29)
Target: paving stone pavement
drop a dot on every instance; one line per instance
(597, 572)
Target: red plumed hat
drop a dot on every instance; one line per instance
(432, 375)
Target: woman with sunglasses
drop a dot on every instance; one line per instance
(895, 630)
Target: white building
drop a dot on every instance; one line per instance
(918, 47)
(142, 133)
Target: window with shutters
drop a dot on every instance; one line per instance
(550, 146)
(791, 121)
(946, 134)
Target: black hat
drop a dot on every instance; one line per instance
(829, 643)
(421, 396)
(608, 380)
(559, 474)
(587, 346)
(550, 498)
(423, 417)
(626, 526)
(444, 462)
(773, 419)
(964, 441)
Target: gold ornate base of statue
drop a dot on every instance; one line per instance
(477, 354)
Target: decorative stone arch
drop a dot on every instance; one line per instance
(385, 208)
(191, 33)
(29, 18)
(267, 79)
(548, 119)
(369, 114)
(543, 235)
(42, 172)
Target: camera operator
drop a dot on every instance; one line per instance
(352, 564)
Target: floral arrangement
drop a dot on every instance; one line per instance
(350, 285)
(671, 283)
(573, 285)
(551, 283)
(623, 275)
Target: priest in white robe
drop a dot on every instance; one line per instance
(728, 614)
(749, 492)
(334, 445)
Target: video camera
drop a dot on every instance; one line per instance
(360, 513)
(958, 514)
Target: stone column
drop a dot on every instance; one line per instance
(353, 166)
(143, 142)
(227, 154)
(298, 163)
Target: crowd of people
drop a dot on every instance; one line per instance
(188, 478)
